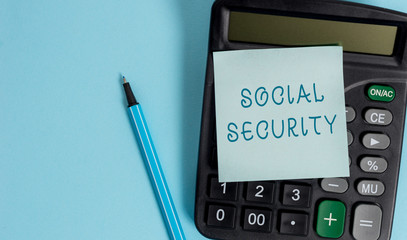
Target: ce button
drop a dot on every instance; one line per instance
(378, 116)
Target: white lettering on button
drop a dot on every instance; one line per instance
(373, 142)
(390, 94)
(381, 92)
(369, 188)
(366, 223)
(330, 219)
(381, 118)
(377, 118)
(333, 185)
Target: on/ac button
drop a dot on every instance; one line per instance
(381, 93)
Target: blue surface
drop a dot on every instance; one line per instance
(69, 164)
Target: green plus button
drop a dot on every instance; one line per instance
(331, 219)
(381, 93)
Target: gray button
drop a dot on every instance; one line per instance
(373, 164)
(370, 188)
(367, 222)
(350, 114)
(376, 141)
(336, 185)
(350, 138)
(378, 116)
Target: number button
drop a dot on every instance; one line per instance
(296, 195)
(224, 191)
(221, 216)
(294, 223)
(257, 220)
(260, 192)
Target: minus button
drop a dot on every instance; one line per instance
(335, 185)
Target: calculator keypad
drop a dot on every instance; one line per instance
(221, 216)
(350, 114)
(350, 138)
(335, 185)
(367, 222)
(294, 223)
(373, 164)
(296, 195)
(224, 191)
(257, 220)
(376, 141)
(370, 188)
(359, 207)
(378, 116)
(260, 192)
(331, 219)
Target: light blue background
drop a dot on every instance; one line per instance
(69, 164)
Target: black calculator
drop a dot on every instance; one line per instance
(375, 82)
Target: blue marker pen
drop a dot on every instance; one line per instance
(153, 165)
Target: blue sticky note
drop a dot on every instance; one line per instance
(280, 114)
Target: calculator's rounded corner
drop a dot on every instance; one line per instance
(200, 225)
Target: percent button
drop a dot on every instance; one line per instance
(373, 164)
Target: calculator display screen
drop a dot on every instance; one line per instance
(298, 31)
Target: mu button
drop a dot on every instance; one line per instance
(331, 219)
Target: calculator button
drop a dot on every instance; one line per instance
(350, 138)
(257, 220)
(331, 219)
(294, 223)
(224, 191)
(260, 192)
(376, 141)
(381, 93)
(335, 185)
(367, 222)
(296, 195)
(378, 116)
(350, 114)
(221, 216)
(370, 188)
(373, 164)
